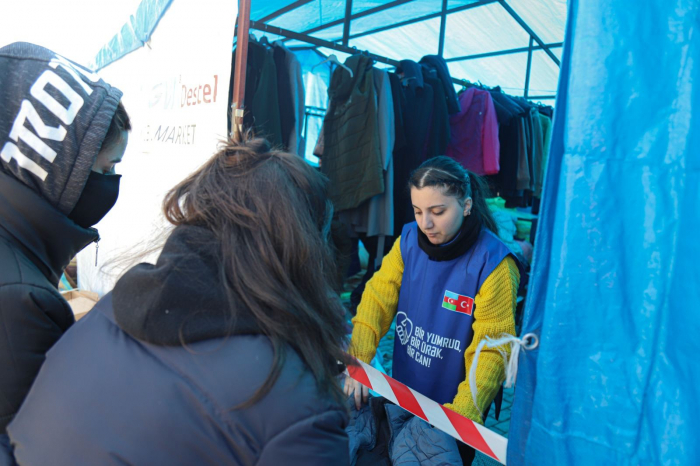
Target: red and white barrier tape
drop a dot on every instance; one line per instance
(463, 429)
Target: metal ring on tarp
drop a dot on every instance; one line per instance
(534, 341)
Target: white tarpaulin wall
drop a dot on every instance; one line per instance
(176, 92)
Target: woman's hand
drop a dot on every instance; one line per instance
(361, 392)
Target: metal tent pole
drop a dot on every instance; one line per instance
(443, 20)
(346, 22)
(501, 52)
(529, 68)
(239, 73)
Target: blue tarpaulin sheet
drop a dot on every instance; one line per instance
(615, 288)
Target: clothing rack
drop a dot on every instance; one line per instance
(244, 22)
(264, 27)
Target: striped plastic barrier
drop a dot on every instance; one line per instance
(461, 428)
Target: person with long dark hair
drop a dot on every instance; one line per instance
(450, 282)
(225, 351)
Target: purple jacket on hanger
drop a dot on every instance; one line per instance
(474, 133)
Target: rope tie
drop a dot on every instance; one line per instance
(528, 342)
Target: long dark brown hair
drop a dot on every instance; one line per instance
(270, 214)
(454, 180)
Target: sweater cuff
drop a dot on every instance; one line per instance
(469, 411)
(363, 344)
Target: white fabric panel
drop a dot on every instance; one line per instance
(333, 33)
(410, 42)
(485, 29)
(362, 5)
(507, 71)
(408, 11)
(172, 134)
(455, 3)
(544, 75)
(547, 18)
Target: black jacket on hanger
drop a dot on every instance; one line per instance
(284, 94)
(261, 93)
(439, 137)
(437, 63)
(417, 100)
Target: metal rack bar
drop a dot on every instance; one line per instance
(317, 42)
(502, 52)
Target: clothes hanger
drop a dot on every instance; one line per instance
(333, 59)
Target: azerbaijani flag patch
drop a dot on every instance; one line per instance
(458, 303)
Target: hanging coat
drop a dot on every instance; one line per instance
(474, 142)
(352, 157)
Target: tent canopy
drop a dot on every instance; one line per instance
(485, 41)
(515, 44)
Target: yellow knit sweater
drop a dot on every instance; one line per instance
(494, 314)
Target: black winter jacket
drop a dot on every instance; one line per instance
(54, 116)
(36, 243)
(120, 387)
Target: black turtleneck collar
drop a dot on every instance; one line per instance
(180, 299)
(466, 237)
(45, 235)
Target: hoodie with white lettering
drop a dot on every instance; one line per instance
(54, 116)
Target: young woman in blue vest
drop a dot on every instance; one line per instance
(450, 282)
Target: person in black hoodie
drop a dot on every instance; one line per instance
(62, 130)
(225, 351)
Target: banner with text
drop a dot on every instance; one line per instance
(175, 91)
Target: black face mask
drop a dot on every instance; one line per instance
(98, 198)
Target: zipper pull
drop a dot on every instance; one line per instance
(97, 249)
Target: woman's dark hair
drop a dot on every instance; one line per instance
(120, 122)
(271, 217)
(454, 180)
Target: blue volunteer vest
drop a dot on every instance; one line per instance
(434, 315)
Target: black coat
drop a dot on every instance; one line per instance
(437, 63)
(418, 101)
(37, 239)
(120, 387)
(36, 243)
(262, 105)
